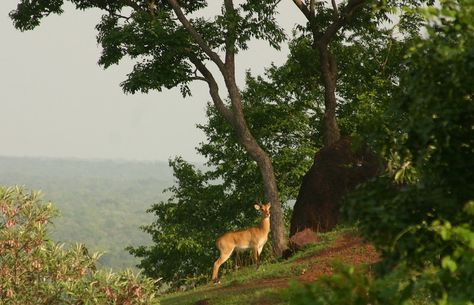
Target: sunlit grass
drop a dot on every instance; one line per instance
(237, 287)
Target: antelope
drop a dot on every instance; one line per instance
(251, 238)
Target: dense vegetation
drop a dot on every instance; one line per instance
(420, 214)
(37, 271)
(101, 203)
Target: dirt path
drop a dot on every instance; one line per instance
(348, 249)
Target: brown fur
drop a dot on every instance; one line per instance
(251, 238)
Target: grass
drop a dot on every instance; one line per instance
(250, 286)
(220, 296)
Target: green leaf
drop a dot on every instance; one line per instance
(448, 263)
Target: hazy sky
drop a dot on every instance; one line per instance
(55, 101)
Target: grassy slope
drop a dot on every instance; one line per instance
(264, 286)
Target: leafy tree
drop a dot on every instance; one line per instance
(173, 47)
(353, 48)
(206, 204)
(35, 270)
(332, 26)
(186, 227)
(324, 31)
(283, 116)
(420, 214)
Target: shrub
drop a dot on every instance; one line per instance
(35, 270)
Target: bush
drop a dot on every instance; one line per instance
(347, 286)
(35, 270)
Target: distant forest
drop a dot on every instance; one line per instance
(101, 203)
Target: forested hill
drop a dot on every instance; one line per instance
(102, 203)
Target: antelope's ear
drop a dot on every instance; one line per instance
(269, 204)
(257, 207)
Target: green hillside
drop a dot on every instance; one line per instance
(102, 203)
(275, 281)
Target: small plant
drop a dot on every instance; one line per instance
(37, 271)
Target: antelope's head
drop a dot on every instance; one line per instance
(264, 208)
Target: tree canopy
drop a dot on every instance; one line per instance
(172, 45)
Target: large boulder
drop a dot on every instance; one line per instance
(336, 170)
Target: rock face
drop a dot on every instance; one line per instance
(336, 170)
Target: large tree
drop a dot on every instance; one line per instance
(173, 46)
(334, 29)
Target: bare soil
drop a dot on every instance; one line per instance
(348, 249)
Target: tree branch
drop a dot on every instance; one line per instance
(343, 19)
(213, 89)
(230, 38)
(112, 13)
(334, 7)
(303, 9)
(196, 36)
(132, 4)
(199, 78)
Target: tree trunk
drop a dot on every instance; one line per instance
(277, 225)
(337, 170)
(235, 117)
(331, 133)
(246, 139)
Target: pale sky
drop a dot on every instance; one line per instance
(55, 101)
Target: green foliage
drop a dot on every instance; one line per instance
(186, 226)
(162, 49)
(28, 14)
(369, 53)
(345, 287)
(34, 270)
(350, 286)
(420, 214)
(432, 109)
(366, 85)
(284, 116)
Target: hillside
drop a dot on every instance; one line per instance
(101, 203)
(267, 285)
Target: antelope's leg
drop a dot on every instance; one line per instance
(222, 259)
(255, 256)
